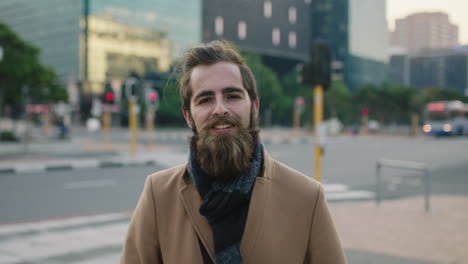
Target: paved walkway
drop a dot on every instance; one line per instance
(402, 229)
(397, 232)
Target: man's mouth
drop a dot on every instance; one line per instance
(222, 126)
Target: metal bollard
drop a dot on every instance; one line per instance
(408, 165)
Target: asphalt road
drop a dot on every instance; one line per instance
(347, 160)
(352, 161)
(29, 197)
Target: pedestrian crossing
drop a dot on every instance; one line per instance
(93, 239)
(83, 240)
(341, 192)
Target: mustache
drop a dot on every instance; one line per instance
(234, 121)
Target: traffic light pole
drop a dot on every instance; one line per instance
(296, 122)
(150, 125)
(106, 120)
(318, 116)
(364, 120)
(133, 126)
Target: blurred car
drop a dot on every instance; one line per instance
(334, 126)
(373, 126)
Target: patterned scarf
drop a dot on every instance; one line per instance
(225, 206)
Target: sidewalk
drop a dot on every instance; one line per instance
(75, 154)
(401, 229)
(397, 232)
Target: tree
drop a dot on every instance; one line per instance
(293, 88)
(338, 102)
(170, 108)
(274, 104)
(22, 73)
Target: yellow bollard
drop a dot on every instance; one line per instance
(318, 116)
(133, 127)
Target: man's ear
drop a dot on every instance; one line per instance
(256, 106)
(187, 117)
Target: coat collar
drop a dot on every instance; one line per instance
(258, 203)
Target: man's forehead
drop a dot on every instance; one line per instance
(218, 74)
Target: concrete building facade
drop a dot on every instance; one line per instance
(424, 31)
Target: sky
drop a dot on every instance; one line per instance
(456, 9)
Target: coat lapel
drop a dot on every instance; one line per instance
(259, 203)
(192, 202)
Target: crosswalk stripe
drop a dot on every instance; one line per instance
(55, 244)
(349, 195)
(43, 226)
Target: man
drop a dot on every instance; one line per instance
(232, 203)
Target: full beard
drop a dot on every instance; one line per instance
(225, 156)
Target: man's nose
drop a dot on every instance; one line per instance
(220, 109)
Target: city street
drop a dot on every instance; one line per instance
(40, 209)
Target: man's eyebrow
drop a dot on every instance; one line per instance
(202, 94)
(231, 89)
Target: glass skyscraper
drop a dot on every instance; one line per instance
(91, 42)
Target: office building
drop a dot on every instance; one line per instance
(424, 31)
(278, 30)
(443, 68)
(357, 32)
(91, 42)
(284, 31)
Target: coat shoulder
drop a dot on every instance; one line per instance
(293, 181)
(167, 179)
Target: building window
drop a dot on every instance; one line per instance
(242, 30)
(292, 41)
(219, 25)
(276, 36)
(292, 15)
(267, 9)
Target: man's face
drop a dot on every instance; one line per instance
(217, 91)
(223, 120)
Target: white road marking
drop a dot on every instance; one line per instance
(43, 226)
(349, 195)
(50, 244)
(89, 184)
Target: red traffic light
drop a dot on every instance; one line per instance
(365, 111)
(299, 102)
(153, 96)
(109, 97)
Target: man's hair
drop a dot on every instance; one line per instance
(208, 54)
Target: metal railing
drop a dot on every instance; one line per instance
(408, 165)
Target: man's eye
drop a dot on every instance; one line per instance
(204, 100)
(234, 96)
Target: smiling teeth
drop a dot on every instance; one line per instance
(222, 126)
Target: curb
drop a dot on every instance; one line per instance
(75, 165)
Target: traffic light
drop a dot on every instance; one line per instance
(132, 88)
(152, 98)
(365, 111)
(318, 69)
(109, 95)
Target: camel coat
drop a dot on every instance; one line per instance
(288, 221)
